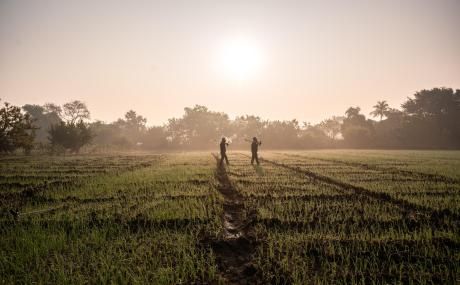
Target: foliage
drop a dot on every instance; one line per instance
(433, 116)
(155, 138)
(62, 123)
(71, 136)
(248, 126)
(198, 128)
(132, 128)
(380, 109)
(356, 130)
(281, 134)
(314, 136)
(16, 129)
(53, 108)
(43, 118)
(74, 111)
(429, 120)
(331, 127)
(109, 135)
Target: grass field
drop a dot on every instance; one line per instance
(302, 217)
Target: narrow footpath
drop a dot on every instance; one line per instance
(236, 244)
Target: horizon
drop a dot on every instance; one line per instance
(231, 117)
(279, 61)
(127, 152)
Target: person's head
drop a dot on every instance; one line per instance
(254, 139)
(223, 139)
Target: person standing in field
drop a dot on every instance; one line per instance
(223, 151)
(254, 148)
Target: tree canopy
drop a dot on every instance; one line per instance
(429, 119)
(16, 129)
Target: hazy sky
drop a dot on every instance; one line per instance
(293, 59)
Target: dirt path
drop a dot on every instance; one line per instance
(236, 244)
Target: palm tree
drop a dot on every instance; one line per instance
(380, 109)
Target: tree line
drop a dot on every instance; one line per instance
(429, 119)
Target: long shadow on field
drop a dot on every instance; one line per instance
(410, 173)
(435, 216)
(259, 170)
(236, 245)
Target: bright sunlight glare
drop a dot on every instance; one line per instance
(240, 58)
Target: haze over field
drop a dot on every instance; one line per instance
(277, 59)
(229, 142)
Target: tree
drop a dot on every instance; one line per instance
(246, 127)
(332, 126)
(73, 111)
(70, 136)
(132, 127)
(389, 132)
(43, 118)
(134, 121)
(440, 104)
(72, 133)
(380, 109)
(358, 136)
(16, 129)
(53, 108)
(352, 112)
(155, 138)
(281, 134)
(109, 135)
(356, 130)
(198, 127)
(432, 117)
(314, 136)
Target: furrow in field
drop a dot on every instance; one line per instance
(350, 226)
(410, 207)
(135, 224)
(23, 193)
(144, 224)
(393, 170)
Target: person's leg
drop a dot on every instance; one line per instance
(222, 156)
(257, 158)
(226, 159)
(252, 158)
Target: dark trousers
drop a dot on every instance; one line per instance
(222, 157)
(256, 157)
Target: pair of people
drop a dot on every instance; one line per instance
(254, 148)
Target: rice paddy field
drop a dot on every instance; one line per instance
(301, 217)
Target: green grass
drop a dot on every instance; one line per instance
(323, 217)
(137, 222)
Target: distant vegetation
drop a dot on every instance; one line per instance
(428, 120)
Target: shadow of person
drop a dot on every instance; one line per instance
(258, 169)
(219, 165)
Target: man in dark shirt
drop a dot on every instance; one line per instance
(254, 148)
(223, 150)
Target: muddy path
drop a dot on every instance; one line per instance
(236, 245)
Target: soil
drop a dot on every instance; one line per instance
(236, 245)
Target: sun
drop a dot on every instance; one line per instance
(240, 58)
